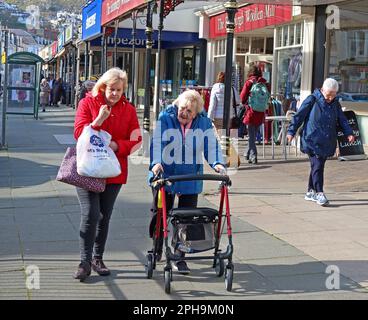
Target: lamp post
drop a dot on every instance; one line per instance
(147, 100)
(134, 33)
(157, 87)
(231, 9)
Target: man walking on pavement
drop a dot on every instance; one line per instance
(320, 113)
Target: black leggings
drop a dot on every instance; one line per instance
(185, 200)
(96, 210)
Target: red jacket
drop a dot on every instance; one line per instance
(122, 124)
(252, 117)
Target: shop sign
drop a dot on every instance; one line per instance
(112, 9)
(54, 48)
(61, 40)
(250, 18)
(68, 33)
(347, 148)
(91, 20)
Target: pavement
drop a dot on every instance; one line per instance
(285, 247)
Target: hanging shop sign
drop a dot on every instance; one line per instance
(251, 17)
(112, 9)
(170, 6)
(68, 33)
(91, 20)
(54, 48)
(61, 40)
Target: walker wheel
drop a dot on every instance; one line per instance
(229, 277)
(168, 278)
(219, 267)
(149, 266)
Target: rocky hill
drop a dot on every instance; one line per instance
(50, 6)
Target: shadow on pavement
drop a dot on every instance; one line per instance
(25, 173)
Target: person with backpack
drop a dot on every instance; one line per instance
(320, 113)
(255, 96)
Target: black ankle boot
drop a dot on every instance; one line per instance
(83, 272)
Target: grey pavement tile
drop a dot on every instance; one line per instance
(10, 235)
(27, 212)
(265, 251)
(10, 248)
(5, 180)
(30, 202)
(46, 231)
(7, 219)
(298, 265)
(10, 263)
(6, 204)
(6, 211)
(310, 283)
(58, 250)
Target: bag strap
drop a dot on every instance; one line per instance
(234, 102)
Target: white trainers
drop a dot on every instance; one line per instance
(321, 199)
(310, 195)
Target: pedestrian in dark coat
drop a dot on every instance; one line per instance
(57, 91)
(320, 113)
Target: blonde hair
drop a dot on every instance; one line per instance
(109, 77)
(190, 97)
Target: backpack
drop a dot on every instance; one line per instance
(259, 96)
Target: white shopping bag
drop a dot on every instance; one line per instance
(94, 156)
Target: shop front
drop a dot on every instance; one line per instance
(253, 40)
(347, 60)
(277, 38)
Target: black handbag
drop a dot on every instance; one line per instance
(235, 120)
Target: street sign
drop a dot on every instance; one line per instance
(3, 58)
(350, 150)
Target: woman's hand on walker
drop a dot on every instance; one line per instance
(220, 169)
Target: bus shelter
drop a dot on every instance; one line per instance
(22, 86)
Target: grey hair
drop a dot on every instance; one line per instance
(190, 96)
(331, 85)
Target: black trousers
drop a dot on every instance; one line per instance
(185, 200)
(96, 210)
(317, 172)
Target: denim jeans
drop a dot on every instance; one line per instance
(96, 210)
(252, 149)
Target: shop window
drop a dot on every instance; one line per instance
(269, 46)
(348, 63)
(292, 35)
(289, 72)
(197, 64)
(298, 33)
(257, 45)
(285, 36)
(188, 64)
(279, 38)
(242, 45)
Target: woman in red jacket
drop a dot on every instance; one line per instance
(253, 119)
(104, 108)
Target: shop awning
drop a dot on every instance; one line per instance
(60, 53)
(292, 2)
